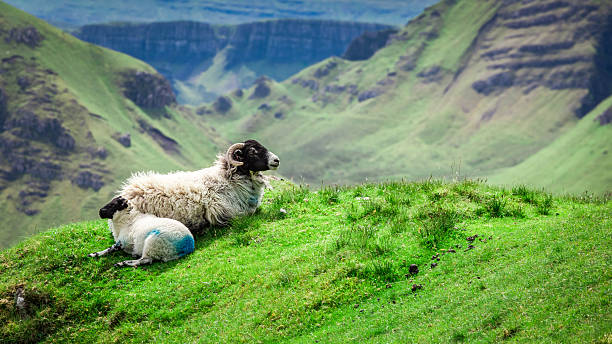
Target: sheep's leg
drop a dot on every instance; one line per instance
(135, 263)
(115, 247)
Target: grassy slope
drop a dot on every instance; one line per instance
(583, 151)
(335, 268)
(415, 128)
(90, 74)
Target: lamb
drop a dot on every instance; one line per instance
(232, 187)
(144, 235)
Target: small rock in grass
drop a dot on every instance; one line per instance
(414, 269)
(470, 247)
(450, 250)
(472, 238)
(435, 256)
(356, 305)
(416, 287)
(433, 265)
(388, 286)
(282, 210)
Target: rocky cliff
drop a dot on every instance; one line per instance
(184, 51)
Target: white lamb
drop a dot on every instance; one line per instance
(146, 236)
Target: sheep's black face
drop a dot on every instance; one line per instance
(255, 157)
(118, 203)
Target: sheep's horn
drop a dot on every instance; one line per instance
(230, 154)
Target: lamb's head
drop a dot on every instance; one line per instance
(109, 210)
(250, 155)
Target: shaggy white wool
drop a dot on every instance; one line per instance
(208, 196)
(149, 236)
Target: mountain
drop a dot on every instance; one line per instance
(203, 61)
(76, 119)
(468, 87)
(70, 14)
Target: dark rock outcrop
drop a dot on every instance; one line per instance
(324, 70)
(262, 89)
(87, 179)
(29, 126)
(222, 105)
(494, 82)
(606, 117)
(430, 74)
(147, 90)
(124, 139)
(311, 84)
(25, 35)
(167, 143)
(364, 46)
(368, 94)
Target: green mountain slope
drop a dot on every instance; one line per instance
(64, 104)
(335, 266)
(475, 86)
(577, 161)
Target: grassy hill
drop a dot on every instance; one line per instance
(475, 86)
(335, 266)
(63, 104)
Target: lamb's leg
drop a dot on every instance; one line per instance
(115, 247)
(135, 263)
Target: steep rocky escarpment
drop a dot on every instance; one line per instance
(293, 40)
(553, 44)
(182, 51)
(160, 44)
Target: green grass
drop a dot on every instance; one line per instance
(333, 265)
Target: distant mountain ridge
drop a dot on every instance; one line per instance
(198, 57)
(70, 14)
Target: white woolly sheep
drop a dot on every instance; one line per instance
(232, 187)
(146, 236)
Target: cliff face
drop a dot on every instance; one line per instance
(182, 51)
(293, 40)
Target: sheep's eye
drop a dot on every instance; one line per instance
(254, 151)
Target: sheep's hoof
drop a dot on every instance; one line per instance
(94, 255)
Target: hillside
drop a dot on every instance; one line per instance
(76, 13)
(469, 86)
(203, 61)
(76, 120)
(336, 266)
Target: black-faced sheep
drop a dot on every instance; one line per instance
(232, 187)
(145, 236)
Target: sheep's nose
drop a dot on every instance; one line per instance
(276, 161)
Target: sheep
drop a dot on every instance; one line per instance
(232, 187)
(144, 235)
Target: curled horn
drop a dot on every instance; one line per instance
(230, 154)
